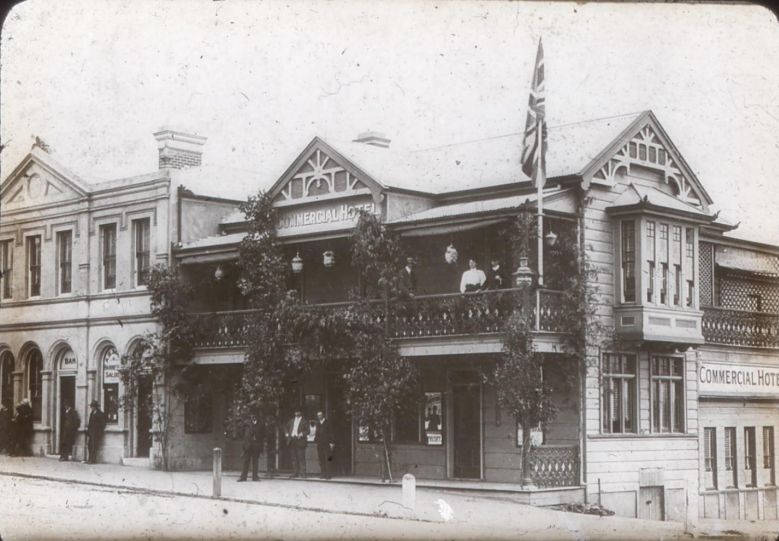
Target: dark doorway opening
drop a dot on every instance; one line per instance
(292, 399)
(7, 380)
(144, 425)
(67, 398)
(466, 398)
(340, 416)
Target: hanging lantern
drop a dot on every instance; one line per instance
(451, 255)
(329, 258)
(219, 274)
(550, 239)
(297, 264)
(523, 276)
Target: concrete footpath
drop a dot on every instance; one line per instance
(437, 505)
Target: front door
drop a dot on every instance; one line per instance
(466, 398)
(340, 418)
(291, 400)
(144, 426)
(67, 398)
(650, 503)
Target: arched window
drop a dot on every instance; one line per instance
(35, 383)
(7, 380)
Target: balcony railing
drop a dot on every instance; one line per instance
(555, 465)
(422, 316)
(740, 328)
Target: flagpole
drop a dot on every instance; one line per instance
(540, 181)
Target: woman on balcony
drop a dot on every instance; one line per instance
(473, 279)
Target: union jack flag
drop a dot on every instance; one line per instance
(534, 145)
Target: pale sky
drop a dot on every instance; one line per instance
(95, 79)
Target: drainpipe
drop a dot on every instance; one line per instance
(582, 378)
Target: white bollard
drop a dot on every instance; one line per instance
(409, 491)
(217, 472)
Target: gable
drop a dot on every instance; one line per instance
(320, 172)
(644, 147)
(36, 185)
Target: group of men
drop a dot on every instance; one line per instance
(16, 430)
(16, 433)
(296, 432)
(472, 280)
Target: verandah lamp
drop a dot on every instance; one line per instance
(297, 264)
(523, 276)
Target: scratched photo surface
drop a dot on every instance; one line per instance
(643, 141)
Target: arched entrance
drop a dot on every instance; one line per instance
(7, 379)
(67, 365)
(144, 407)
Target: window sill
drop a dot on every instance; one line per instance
(640, 436)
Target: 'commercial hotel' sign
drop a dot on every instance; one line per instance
(321, 218)
(738, 380)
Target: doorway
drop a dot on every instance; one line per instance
(650, 503)
(67, 398)
(7, 380)
(144, 425)
(339, 414)
(290, 400)
(466, 429)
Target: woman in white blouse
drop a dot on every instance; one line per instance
(473, 279)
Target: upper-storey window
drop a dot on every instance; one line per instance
(629, 260)
(7, 262)
(64, 261)
(141, 261)
(108, 255)
(650, 260)
(34, 265)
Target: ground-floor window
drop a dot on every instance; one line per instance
(750, 456)
(111, 402)
(710, 457)
(667, 375)
(620, 400)
(730, 455)
(198, 410)
(768, 453)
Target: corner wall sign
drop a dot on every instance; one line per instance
(322, 217)
(738, 380)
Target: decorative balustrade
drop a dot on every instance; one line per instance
(422, 316)
(555, 465)
(740, 328)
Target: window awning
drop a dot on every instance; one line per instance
(446, 229)
(747, 261)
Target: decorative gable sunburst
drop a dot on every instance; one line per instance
(320, 175)
(321, 172)
(646, 144)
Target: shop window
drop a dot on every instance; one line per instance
(34, 265)
(108, 255)
(710, 457)
(111, 402)
(768, 454)
(668, 394)
(730, 455)
(434, 419)
(619, 399)
(7, 261)
(198, 409)
(628, 261)
(35, 383)
(368, 433)
(536, 435)
(750, 456)
(64, 254)
(141, 261)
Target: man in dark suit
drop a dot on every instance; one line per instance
(70, 424)
(297, 431)
(497, 277)
(325, 445)
(95, 430)
(253, 438)
(407, 280)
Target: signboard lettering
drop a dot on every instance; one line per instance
(111, 363)
(68, 362)
(340, 216)
(725, 379)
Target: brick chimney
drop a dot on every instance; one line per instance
(373, 138)
(179, 150)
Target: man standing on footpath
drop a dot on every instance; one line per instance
(297, 431)
(325, 445)
(253, 438)
(70, 424)
(95, 430)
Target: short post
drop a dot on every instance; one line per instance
(217, 473)
(409, 491)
